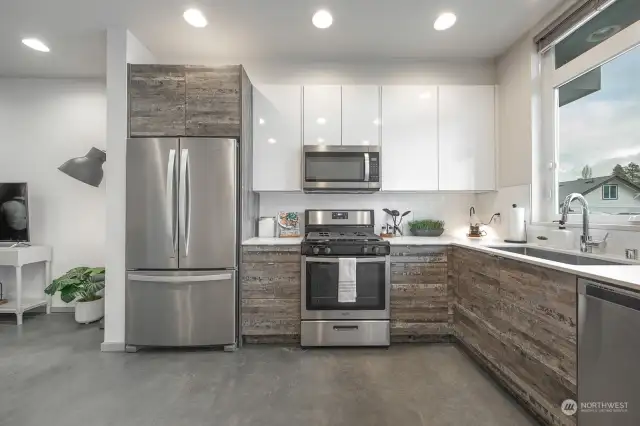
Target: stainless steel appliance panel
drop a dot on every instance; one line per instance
(345, 333)
(208, 200)
(151, 212)
(341, 168)
(339, 217)
(180, 308)
(608, 350)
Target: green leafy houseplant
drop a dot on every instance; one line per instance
(427, 228)
(426, 224)
(81, 284)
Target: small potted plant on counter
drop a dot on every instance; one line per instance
(84, 285)
(427, 228)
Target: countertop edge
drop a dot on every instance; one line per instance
(611, 274)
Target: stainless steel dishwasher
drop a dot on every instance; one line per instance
(608, 355)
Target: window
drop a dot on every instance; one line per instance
(590, 126)
(609, 192)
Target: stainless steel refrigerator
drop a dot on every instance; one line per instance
(182, 242)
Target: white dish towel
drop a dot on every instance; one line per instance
(347, 280)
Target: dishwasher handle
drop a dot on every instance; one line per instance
(618, 296)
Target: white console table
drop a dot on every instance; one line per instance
(18, 257)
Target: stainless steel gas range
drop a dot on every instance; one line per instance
(326, 321)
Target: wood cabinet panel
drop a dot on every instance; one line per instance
(520, 318)
(213, 101)
(157, 100)
(420, 303)
(270, 289)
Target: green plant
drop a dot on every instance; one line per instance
(79, 284)
(426, 224)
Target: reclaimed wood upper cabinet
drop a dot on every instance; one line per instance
(466, 120)
(213, 101)
(277, 138)
(156, 100)
(322, 115)
(409, 138)
(360, 115)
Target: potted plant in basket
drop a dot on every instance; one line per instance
(84, 285)
(427, 228)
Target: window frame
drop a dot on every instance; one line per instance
(545, 190)
(610, 185)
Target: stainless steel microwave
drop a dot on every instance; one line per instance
(341, 168)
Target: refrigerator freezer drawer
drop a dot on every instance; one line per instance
(181, 308)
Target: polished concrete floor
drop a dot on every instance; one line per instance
(52, 373)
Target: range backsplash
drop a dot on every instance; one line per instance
(452, 208)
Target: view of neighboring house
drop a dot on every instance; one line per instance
(605, 194)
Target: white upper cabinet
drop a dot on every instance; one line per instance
(409, 138)
(467, 138)
(360, 115)
(322, 115)
(277, 138)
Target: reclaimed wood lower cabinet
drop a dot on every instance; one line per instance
(519, 321)
(270, 291)
(421, 303)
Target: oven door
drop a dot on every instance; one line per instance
(335, 168)
(319, 290)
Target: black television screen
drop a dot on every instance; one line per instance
(14, 212)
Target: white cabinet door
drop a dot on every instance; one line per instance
(277, 138)
(322, 115)
(409, 138)
(360, 115)
(467, 138)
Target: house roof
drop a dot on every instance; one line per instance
(584, 186)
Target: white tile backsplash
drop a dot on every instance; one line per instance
(452, 208)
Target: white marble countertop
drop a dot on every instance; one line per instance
(623, 275)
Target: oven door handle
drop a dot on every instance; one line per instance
(337, 259)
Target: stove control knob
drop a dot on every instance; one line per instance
(376, 250)
(315, 250)
(327, 250)
(365, 250)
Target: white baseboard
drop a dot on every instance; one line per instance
(112, 347)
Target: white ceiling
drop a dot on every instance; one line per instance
(363, 30)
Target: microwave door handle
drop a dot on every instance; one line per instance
(366, 167)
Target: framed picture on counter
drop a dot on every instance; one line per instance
(288, 224)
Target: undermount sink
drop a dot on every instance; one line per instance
(570, 259)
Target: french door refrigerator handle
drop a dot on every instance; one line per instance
(169, 204)
(188, 237)
(182, 199)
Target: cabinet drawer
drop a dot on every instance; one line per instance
(419, 254)
(267, 254)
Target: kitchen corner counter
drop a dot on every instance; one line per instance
(258, 241)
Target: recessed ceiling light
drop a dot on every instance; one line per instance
(322, 19)
(35, 44)
(321, 120)
(271, 140)
(195, 17)
(445, 21)
(320, 140)
(261, 120)
(365, 142)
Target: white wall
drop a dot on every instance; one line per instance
(43, 123)
(452, 208)
(122, 48)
